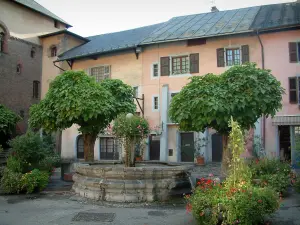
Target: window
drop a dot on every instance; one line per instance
(32, 52)
(19, 69)
(56, 25)
(155, 103)
(136, 91)
(109, 148)
(80, 147)
(1, 41)
(180, 65)
(294, 52)
(294, 84)
(22, 113)
(155, 70)
(233, 57)
(53, 51)
(100, 73)
(36, 88)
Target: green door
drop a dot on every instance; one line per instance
(187, 147)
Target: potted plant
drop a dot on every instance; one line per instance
(199, 145)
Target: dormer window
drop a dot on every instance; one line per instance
(53, 51)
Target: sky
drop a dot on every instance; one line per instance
(93, 17)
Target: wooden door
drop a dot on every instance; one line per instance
(187, 147)
(154, 147)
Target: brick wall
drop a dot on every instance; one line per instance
(16, 89)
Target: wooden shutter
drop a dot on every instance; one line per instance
(164, 66)
(194, 63)
(220, 57)
(293, 89)
(245, 54)
(293, 52)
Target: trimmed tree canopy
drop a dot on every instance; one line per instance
(8, 120)
(76, 98)
(243, 92)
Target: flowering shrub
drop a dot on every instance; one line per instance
(34, 180)
(236, 201)
(272, 173)
(131, 131)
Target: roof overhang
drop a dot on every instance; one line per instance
(286, 120)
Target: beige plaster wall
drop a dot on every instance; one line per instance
(25, 23)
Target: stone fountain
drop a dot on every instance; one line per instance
(116, 183)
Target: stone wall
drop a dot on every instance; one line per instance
(16, 89)
(132, 184)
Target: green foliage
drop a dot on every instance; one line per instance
(243, 92)
(10, 182)
(29, 148)
(49, 163)
(15, 164)
(297, 184)
(134, 128)
(34, 180)
(76, 98)
(236, 201)
(272, 173)
(8, 120)
(131, 131)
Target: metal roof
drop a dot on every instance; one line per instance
(202, 25)
(277, 15)
(109, 42)
(41, 9)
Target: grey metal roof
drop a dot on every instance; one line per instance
(39, 8)
(204, 25)
(277, 15)
(109, 42)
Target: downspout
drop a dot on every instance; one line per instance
(58, 66)
(263, 67)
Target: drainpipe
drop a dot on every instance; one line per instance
(263, 67)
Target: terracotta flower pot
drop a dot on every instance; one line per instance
(139, 158)
(200, 160)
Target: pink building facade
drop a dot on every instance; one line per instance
(168, 54)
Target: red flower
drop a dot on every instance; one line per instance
(259, 201)
(202, 213)
(189, 207)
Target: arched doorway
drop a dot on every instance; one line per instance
(80, 147)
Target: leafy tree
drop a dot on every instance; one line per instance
(243, 92)
(8, 120)
(131, 130)
(76, 98)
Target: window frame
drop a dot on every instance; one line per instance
(36, 89)
(89, 71)
(187, 64)
(52, 52)
(152, 70)
(116, 147)
(79, 137)
(233, 55)
(136, 91)
(154, 109)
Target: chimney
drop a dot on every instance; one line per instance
(215, 9)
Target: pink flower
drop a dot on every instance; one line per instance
(210, 175)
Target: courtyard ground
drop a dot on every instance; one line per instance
(59, 206)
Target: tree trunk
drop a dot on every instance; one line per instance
(89, 143)
(225, 156)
